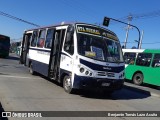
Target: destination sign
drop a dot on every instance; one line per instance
(95, 31)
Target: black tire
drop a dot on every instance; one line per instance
(138, 78)
(67, 84)
(32, 72)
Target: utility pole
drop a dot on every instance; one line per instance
(140, 42)
(127, 30)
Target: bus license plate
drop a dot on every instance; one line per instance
(105, 84)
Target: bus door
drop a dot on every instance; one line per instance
(25, 48)
(54, 63)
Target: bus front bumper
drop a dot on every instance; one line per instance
(81, 82)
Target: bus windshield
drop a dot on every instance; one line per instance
(99, 48)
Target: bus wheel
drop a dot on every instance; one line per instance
(67, 85)
(138, 79)
(31, 69)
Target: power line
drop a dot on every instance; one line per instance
(149, 15)
(18, 19)
(141, 16)
(144, 15)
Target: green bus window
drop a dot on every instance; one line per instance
(129, 58)
(144, 59)
(156, 60)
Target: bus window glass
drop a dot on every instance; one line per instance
(69, 43)
(90, 46)
(114, 51)
(99, 48)
(34, 39)
(5, 41)
(4, 45)
(129, 58)
(41, 38)
(98, 52)
(156, 60)
(144, 59)
(49, 38)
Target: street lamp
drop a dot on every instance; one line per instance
(136, 41)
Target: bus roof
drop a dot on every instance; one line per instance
(152, 51)
(4, 35)
(142, 50)
(133, 50)
(69, 23)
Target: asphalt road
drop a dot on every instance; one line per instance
(20, 91)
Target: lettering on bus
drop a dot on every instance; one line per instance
(95, 31)
(108, 35)
(88, 30)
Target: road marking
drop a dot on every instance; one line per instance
(18, 77)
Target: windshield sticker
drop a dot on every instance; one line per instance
(99, 52)
(90, 54)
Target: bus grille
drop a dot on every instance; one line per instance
(103, 73)
(110, 74)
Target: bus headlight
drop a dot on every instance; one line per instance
(87, 72)
(81, 69)
(90, 74)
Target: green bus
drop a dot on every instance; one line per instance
(142, 66)
(4, 46)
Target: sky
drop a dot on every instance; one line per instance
(50, 12)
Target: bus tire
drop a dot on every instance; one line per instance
(67, 84)
(32, 72)
(138, 78)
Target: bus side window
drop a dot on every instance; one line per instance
(34, 39)
(144, 59)
(41, 38)
(49, 38)
(156, 60)
(69, 43)
(129, 58)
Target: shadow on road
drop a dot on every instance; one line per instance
(123, 94)
(2, 110)
(13, 58)
(126, 93)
